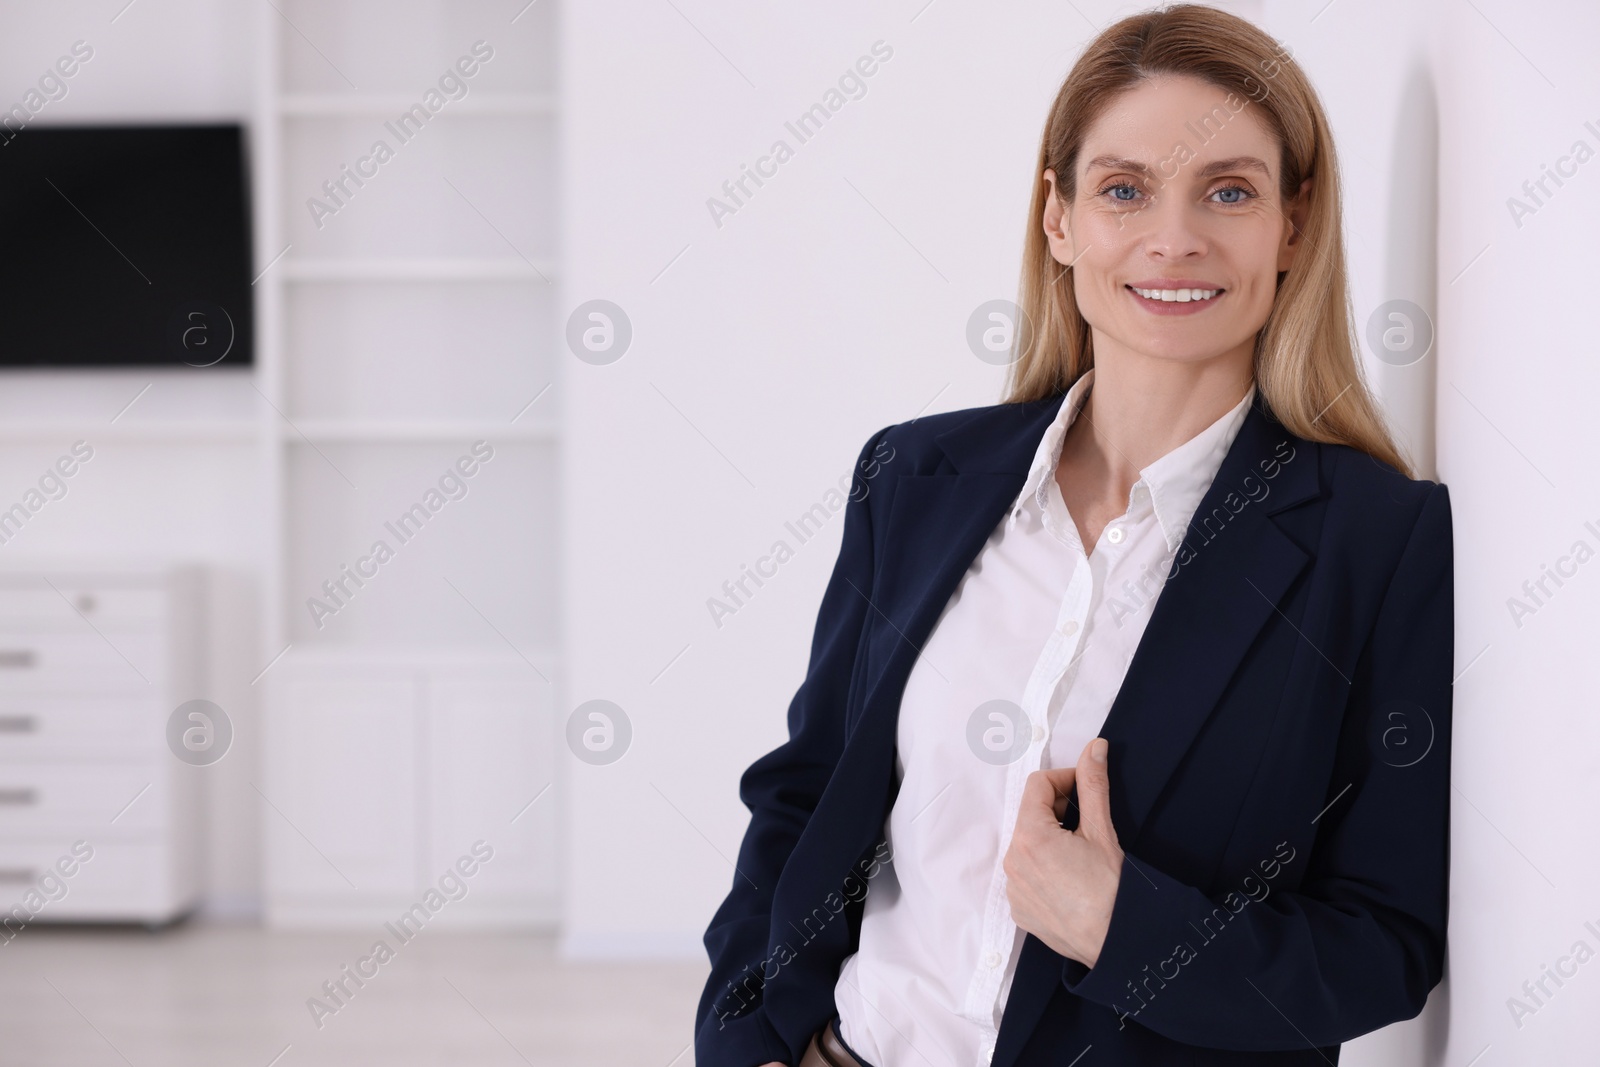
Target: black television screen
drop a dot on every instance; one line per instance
(124, 246)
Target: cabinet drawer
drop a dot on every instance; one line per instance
(44, 725)
(120, 880)
(66, 607)
(49, 797)
(81, 663)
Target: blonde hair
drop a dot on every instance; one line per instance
(1306, 368)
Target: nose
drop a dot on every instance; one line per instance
(1169, 229)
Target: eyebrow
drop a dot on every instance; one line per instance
(1215, 167)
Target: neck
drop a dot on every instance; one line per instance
(1141, 408)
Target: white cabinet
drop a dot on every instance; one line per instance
(491, 776)
(92, 665)
(346, 793)
(385, 768)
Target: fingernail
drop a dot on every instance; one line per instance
(1097, 751)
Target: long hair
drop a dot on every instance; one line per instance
(1305, 362)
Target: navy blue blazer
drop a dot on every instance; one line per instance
(1280, 763)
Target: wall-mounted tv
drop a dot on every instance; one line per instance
(125, 246)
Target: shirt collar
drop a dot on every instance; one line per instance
(1176, 482)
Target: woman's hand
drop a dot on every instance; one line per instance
(1062, 883)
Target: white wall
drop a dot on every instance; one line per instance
(1517, 381)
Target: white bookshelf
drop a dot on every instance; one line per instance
(415, 320)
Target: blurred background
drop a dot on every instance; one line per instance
(396, 394)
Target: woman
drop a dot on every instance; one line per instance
(1126, 730)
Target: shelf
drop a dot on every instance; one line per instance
(504, 269)
(349, 431)
(341, 105)
(97, 430)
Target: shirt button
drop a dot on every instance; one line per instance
(1114, 535)
(988, 1053)
(1069, 628)
(1038, 732)
(991, 959)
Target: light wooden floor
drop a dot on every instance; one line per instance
(220, 996)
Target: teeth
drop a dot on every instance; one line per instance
(1181, 296)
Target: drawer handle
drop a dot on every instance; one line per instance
(16, 657)
(21, 797)
(18, 724)
(16, 875)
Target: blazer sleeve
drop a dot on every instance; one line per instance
(1361, 941)
(781, 789)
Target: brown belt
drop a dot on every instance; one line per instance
(826, 1050)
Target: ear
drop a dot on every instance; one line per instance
(1294, 234)
(1057, 223)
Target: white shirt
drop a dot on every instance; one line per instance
(1048, 630)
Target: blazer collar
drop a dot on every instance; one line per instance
(1174, 482)
(1006, 442)
(1000, 439)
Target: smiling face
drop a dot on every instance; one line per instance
(1175, 242)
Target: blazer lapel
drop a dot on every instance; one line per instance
(937, 525)
(1236, 567)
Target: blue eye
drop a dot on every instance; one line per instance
(1234, 189)
(1118, 185)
